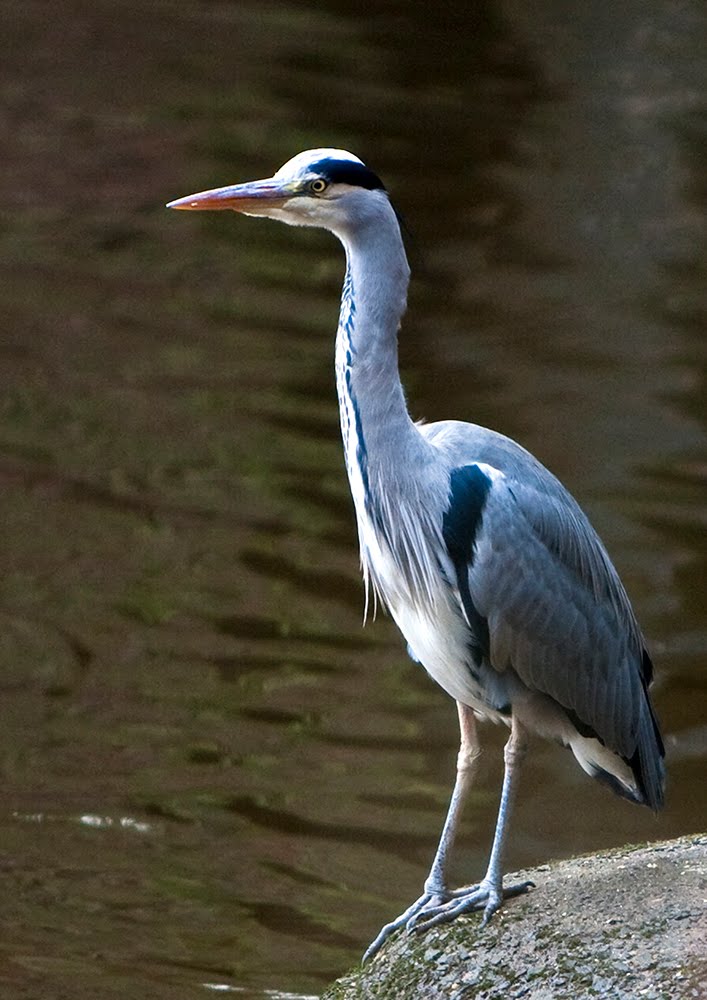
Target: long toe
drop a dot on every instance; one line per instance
(420, 918)
(493, 903)
(432, 909)
(402, 921)
(487, 897)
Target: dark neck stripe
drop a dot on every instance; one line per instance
(347, 172)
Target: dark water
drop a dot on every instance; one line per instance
(212, 778)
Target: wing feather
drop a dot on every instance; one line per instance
(557, 612)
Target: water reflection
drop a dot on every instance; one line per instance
(214, 779)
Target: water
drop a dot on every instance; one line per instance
(213, 779)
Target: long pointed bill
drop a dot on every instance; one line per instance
(251, 197)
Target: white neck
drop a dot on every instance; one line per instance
(374, 418)
(386, 454)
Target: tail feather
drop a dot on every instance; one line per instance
(606, 766)
(647, 762)
(640, 778)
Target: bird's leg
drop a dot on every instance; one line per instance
(467, 764)
(489, 894)
(438, 904)
(435, 891)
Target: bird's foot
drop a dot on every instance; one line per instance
(487, 896)
(433, 908)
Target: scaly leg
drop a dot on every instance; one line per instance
(438, 904)
(435, 888)
(489, 894)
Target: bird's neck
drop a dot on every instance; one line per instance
(376, 427)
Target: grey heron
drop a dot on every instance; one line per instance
(492, 572)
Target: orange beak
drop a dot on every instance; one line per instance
(250, 197)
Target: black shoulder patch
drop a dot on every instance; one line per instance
(348, 172)
(468, 490)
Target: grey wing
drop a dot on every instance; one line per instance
(558, 615)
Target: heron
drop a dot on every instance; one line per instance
(500, 586)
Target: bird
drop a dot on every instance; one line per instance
(492, 572)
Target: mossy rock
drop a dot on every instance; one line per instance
(627, 924)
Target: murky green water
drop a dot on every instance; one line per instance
(212, 777)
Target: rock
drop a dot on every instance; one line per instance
(627, 924)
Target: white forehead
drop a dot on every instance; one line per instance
(300, 164)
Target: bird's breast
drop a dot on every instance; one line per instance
(440, 642)
(414, 581)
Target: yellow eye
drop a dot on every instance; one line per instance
(318, 185)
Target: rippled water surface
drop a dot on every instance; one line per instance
(213, 778)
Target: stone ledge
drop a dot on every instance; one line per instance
(627, 924)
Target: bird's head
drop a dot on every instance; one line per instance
(328, 188)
